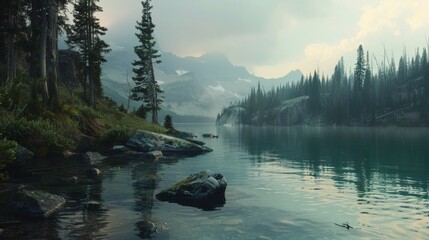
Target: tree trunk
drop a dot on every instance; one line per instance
(42, 53)
(11, 57)
(53, 55)
(154, 96)
(35, 39)
(90, 59)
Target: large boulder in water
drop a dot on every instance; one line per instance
(36, 204)
(144, 141)
(204, 189)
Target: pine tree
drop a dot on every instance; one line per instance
(147, 88)
(141, 112)
(359, 77)
(368, 90)
(168, 122)
(359, 73)
(85, 35)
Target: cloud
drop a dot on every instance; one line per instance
(381, 16)
(420, 17)
(272, 37)
(385, 21)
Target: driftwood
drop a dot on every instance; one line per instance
(345, 225)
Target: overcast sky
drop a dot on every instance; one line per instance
(272, 37)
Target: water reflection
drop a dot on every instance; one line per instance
(358, 155)
(385, 169)
(144, 176)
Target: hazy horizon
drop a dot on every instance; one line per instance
(273, 37)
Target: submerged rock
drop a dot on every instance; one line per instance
(92, 206)
(204, 189)
(93, 158)
(146, 228)
(147, 141)
(36, 204)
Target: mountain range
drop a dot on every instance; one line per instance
(197, 86)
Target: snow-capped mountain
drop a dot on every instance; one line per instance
(193, 85)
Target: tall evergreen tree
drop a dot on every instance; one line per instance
(85, 35)
(359, 73)
(9, 37)
(147, 88)
(359, 77)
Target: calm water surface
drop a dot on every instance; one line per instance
(283, 183)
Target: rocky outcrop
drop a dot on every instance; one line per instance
(204, 189)
(291, 112)
(230, 116)
(35, 204)
(287, 113)
(144, 141)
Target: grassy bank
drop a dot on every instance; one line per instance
(27, 121)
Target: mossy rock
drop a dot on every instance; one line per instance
(204, 190)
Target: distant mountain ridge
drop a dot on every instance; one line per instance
(193, 85)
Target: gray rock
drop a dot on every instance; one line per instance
(204, 189)
(154, 155)
(36, 204)
(118, 149)
(92, 173)
(144, 141)
(195, 141)
(94, 158)
(22, 155)
(72, 180)
(209, 135)
(146, 228)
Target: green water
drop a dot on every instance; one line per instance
(283, 183)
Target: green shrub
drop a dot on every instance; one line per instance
(7, 155)
(141, 112)
(43, 137)
(117, 135)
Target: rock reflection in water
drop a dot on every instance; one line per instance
(145, 179)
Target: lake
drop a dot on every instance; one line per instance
(283, 183)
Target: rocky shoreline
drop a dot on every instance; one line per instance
(21, 202)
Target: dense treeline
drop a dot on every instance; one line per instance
(29, 32)
(371, 93)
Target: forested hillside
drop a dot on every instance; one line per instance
(375, 92)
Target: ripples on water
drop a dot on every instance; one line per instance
(283, 183)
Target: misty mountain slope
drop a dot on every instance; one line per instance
(193, 85)
(209, 68)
